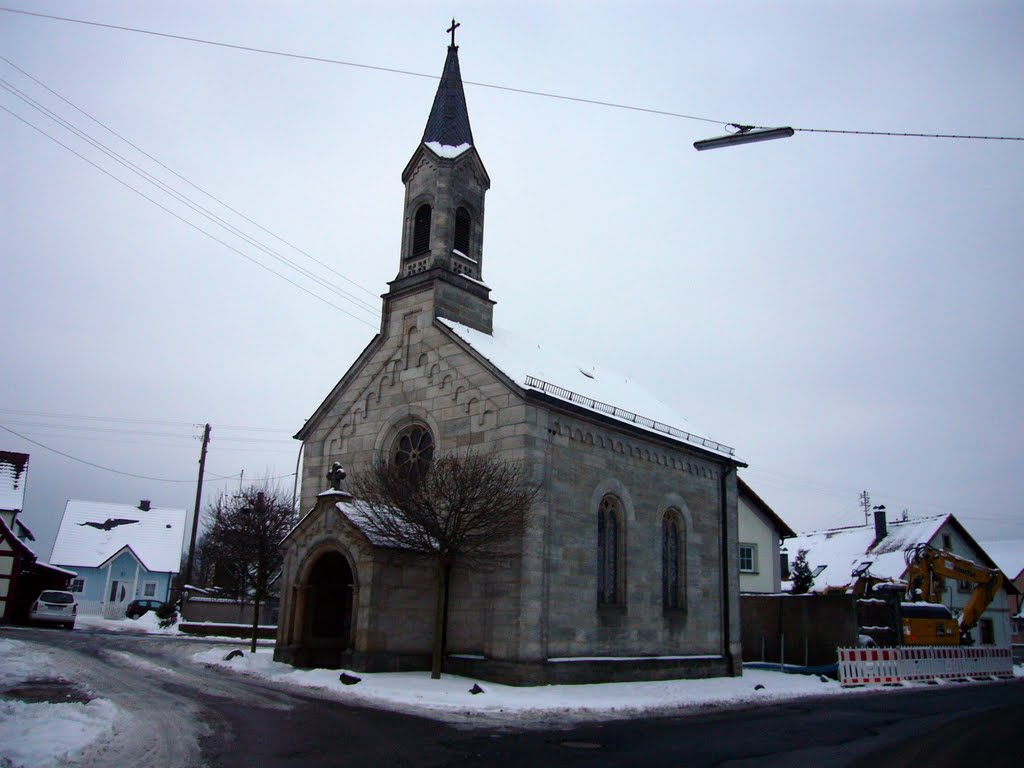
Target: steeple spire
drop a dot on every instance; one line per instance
(448, 123)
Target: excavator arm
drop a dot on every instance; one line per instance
(928, 567)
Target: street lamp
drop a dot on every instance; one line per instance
(745, 134)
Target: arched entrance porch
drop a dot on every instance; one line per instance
(324, 610)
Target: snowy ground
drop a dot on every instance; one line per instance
(44, 734)
(544, 706)
(100, 732)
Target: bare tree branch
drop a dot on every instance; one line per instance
(470, 509)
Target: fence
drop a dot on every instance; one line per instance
(865, 666)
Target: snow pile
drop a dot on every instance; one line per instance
(147, 624)
(37, 735)
(450, 697)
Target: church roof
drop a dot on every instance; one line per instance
(448, 123)
(535, 367)
(91, 532)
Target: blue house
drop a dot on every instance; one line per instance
(120, 553)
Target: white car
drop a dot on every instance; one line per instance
(55, 607)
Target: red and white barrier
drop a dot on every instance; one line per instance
(865, 666)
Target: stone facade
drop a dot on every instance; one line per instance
(348, 600)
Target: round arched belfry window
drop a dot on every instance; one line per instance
(414, 448)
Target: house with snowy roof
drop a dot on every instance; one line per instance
(838, 557)
(22, 574)
(628, 569)
(120, 553)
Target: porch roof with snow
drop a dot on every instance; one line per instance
(843, 550)
(155, 536)
(600, 390)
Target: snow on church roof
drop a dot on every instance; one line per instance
(596, 388)
(446, 151)
(91, 532)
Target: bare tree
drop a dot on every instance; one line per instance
(466, 509)
(243, 537)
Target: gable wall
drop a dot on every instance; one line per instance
(419, 374)
(755, 528)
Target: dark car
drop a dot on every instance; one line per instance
(137, 608)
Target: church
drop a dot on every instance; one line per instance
(627, 570)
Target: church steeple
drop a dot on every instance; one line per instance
(443, 225)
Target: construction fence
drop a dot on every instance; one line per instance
(887, 666)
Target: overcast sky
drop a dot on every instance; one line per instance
(843, 310)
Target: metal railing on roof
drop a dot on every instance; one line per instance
(621, 413)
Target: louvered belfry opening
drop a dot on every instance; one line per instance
(463, 227)
(421, 231)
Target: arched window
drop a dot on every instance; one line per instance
(673, 561)
(421, 231)
(414, 449)
(610, 546)
(463, 228)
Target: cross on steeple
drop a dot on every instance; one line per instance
(452, 29)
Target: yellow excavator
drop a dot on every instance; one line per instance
(925, 621)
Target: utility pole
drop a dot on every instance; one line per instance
(199, 500)
(865, 501)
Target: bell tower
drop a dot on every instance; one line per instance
(443, 221)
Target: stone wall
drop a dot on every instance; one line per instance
(582, 461)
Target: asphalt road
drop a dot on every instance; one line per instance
(178, 713)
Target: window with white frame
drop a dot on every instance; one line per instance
(149, 589)
(78, 585)
(748, 558)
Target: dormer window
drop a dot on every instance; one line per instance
(463, 228)
(421, 232)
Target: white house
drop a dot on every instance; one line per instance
(839, 555)
(120, 553)
(760, 532)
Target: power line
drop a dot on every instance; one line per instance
(201, 210)
(19, 416)
(182, 219)
(493, 86)
(92, 464)
(129, 420)
(912, 135)
(187, 181)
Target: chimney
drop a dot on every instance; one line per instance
(144, 505)
(880, 529)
